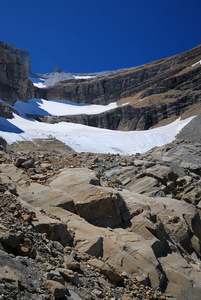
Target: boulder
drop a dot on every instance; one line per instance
(71, 263)
(8, 238)
(29, 163)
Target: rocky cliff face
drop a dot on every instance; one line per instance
(14, 82)
(145, 95)
(24, 56)
(154, 78)
(154, 92)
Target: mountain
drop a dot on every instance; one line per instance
(146, 95)
(91, 213)
(151, 93)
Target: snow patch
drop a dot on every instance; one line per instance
(84, 77)
(59, 107)
(38, 82)
(142, 99)
(125, 103)
(199, 62)
(83, 138)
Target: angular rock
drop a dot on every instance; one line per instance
(19, 161)
(71, 263)
(28, 163)
(69, 275)
(106, 270)
(55, 276)
(54, 288)
(8, 277)
(27, 249)
(9, 239)
(193, 196)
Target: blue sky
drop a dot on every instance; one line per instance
(99, 35)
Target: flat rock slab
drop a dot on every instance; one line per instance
(75, 190)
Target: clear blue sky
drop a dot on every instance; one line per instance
(98, 35)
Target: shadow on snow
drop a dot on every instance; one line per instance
(6, 126)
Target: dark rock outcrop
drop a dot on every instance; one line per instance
(14, 81)
(24, 56)
(6, 111)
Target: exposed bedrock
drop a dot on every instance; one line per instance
(143, 230)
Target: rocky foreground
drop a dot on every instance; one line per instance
(87, 226)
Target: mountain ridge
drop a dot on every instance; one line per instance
(82, 225)
(149, 93)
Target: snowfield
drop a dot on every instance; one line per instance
(59, 107)
(83, 138)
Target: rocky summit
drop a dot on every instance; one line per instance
(82, 225)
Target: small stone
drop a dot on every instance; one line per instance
(69, 275)
(38, 177)
(26, 217)
(71, 264)
(97, 292)
(12, 206)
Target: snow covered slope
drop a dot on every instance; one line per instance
(79, 137)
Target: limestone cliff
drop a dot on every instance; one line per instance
(145, 95)
(14, 81)
(157, 77)
(24, 56)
